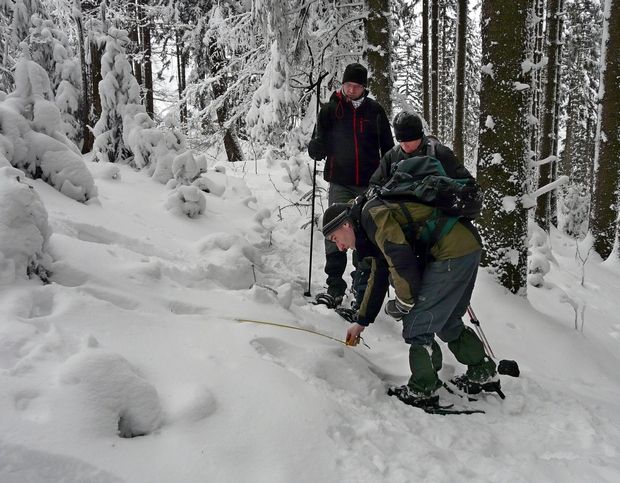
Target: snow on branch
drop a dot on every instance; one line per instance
(548, 159)
(529, 199)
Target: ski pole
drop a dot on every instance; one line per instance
(505, 366)
(308, 293)
(476, 323)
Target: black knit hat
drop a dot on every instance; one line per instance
(408, 126)
(355, 73)
(334, 217)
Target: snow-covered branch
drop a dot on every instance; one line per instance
(529, 199)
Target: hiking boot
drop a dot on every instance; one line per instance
(414, 398)
(329, 300)
(470, 386)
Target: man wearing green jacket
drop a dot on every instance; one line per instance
(431, 297)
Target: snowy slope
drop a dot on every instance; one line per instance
(139, 327)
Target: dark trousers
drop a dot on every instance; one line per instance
(335, 260)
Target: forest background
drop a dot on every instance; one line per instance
(526, 92)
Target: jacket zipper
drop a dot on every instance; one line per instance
(357, 161)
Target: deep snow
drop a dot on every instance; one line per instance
(138, 326)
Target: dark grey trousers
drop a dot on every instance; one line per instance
(443, 300)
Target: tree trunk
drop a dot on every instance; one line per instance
(607, 155)
(536, 82)
(216, 60)
(443, 75)
(543, 206)
(379, 53)
(458, 144)
(87, 135)
(135, 19)
(503, 141)
(145, 32)
(434, 65)
(181, 69)
(95, 78)
(425, 67)
(553, 195)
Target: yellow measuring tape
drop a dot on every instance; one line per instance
(274, 324)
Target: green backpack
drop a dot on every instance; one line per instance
(422, 179)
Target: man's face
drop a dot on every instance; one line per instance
(352, 90)
(344, 237)
(410, 146)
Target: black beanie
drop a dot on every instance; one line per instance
(355, 73)
(334, 217)
(408, 126)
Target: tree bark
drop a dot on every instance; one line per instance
(425, 67)
(182, 80)
(503, 141)
(379, 53)
(543, 206)
(95, 78)
(607, 156)
(87, 135)
(145, 31)
(458, 144)
(135, 18)
(434, 65)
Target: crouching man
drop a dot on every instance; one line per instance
(433, 286)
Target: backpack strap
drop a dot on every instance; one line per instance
(431, 145)
(437, 226)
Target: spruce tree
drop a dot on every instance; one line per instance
(503, 135)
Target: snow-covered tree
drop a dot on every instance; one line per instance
(117, 89)
(25, 231)
(50, 48)
(31, 134)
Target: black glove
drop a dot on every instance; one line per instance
(397, 308)
(316, 150)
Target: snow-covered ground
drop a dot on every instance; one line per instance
(136, 334)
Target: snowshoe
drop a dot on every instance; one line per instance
(328, 300)
(350, 315)
(429, 404)
(406, 395)
(469, 386)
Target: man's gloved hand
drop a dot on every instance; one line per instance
(316, 150)
(397, 308)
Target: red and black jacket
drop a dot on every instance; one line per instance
(354, 140)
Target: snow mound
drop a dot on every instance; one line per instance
(229, 260)
(212, 182)
(115, 397)
(184, 168)
(31, 138)
(186, 200)
(25, 231)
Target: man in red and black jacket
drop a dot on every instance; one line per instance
(353, 133)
